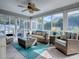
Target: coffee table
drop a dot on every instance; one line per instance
(26, 43)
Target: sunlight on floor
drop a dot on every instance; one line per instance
(47, 55)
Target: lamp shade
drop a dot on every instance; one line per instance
(55, 29)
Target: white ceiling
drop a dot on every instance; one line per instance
(44, 5)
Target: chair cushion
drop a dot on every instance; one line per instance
(62, 42)
(38, 36)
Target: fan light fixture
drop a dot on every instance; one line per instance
(30, 6)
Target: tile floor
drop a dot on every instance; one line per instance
(50, 53)
(12, 53)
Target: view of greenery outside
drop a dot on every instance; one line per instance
(57, 23)
(73, 21)
(27, 25)
(12, 20)
(40, 19)
(40, 23)
(2, 20)
(2, 27)
(21, 24)
(34, 25)
(6, 20)
(39, 27)
(47, 22)
(20, 27)
(10, 26)
(57, 20)
(18, 22)
(5, 24)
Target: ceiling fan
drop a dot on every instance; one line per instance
(29, 6)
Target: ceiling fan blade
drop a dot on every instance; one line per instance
(33, 5)
(24, 10)
(21, 6)
(36, 9)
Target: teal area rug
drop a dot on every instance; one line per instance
(32, 52)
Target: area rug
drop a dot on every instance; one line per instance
(32, 52)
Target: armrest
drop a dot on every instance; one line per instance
(72, 43)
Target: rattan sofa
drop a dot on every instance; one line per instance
(41, 36)
(67, 45)
(26, 43)
(9, 38)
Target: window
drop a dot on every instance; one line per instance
(57, 23)
(18, 22)
(10, 24)
(12, 20)
(40, 23)
(47, 23)
(3, 21)
(39, 26)
(21, 24)
(27, 25)
(6, 19)
(40, 19)
(34, 27)
(73, 21)
(57, 20)
(10, 29)
(5, 24)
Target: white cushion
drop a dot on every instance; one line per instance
(62, 42)
(38, 36)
